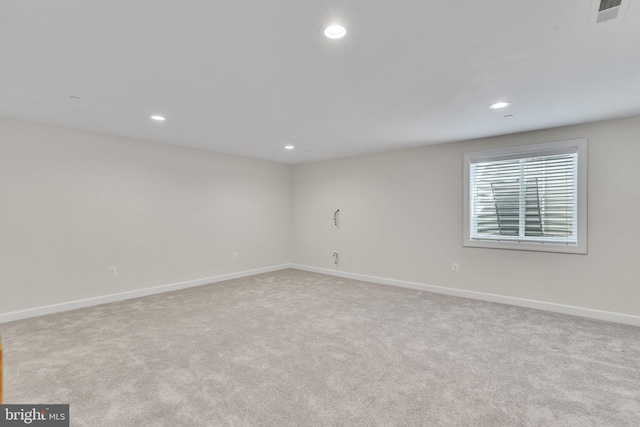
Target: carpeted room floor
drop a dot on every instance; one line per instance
(293, 348)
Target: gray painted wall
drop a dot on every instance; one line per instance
(73, 203)
(401, 218)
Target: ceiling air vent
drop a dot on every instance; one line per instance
(608, 10)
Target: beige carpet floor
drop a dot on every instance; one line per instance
(292, 348)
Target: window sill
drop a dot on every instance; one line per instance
(526, 246)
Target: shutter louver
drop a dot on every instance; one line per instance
(530, 199)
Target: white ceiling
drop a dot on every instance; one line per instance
(247, 77)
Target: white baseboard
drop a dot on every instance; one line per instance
(88, 302)
(539, 305)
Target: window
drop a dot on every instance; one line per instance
(531, 197)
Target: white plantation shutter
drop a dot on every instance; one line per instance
(526, 195)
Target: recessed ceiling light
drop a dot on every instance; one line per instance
(159, 118)
(499, 104)
(288, 147)
(335, 31)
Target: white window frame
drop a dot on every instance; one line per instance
(578, 146)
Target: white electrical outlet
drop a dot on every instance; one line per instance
(113, 271)
(455, 267)
(234, 255)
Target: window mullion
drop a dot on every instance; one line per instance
(522, 200)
